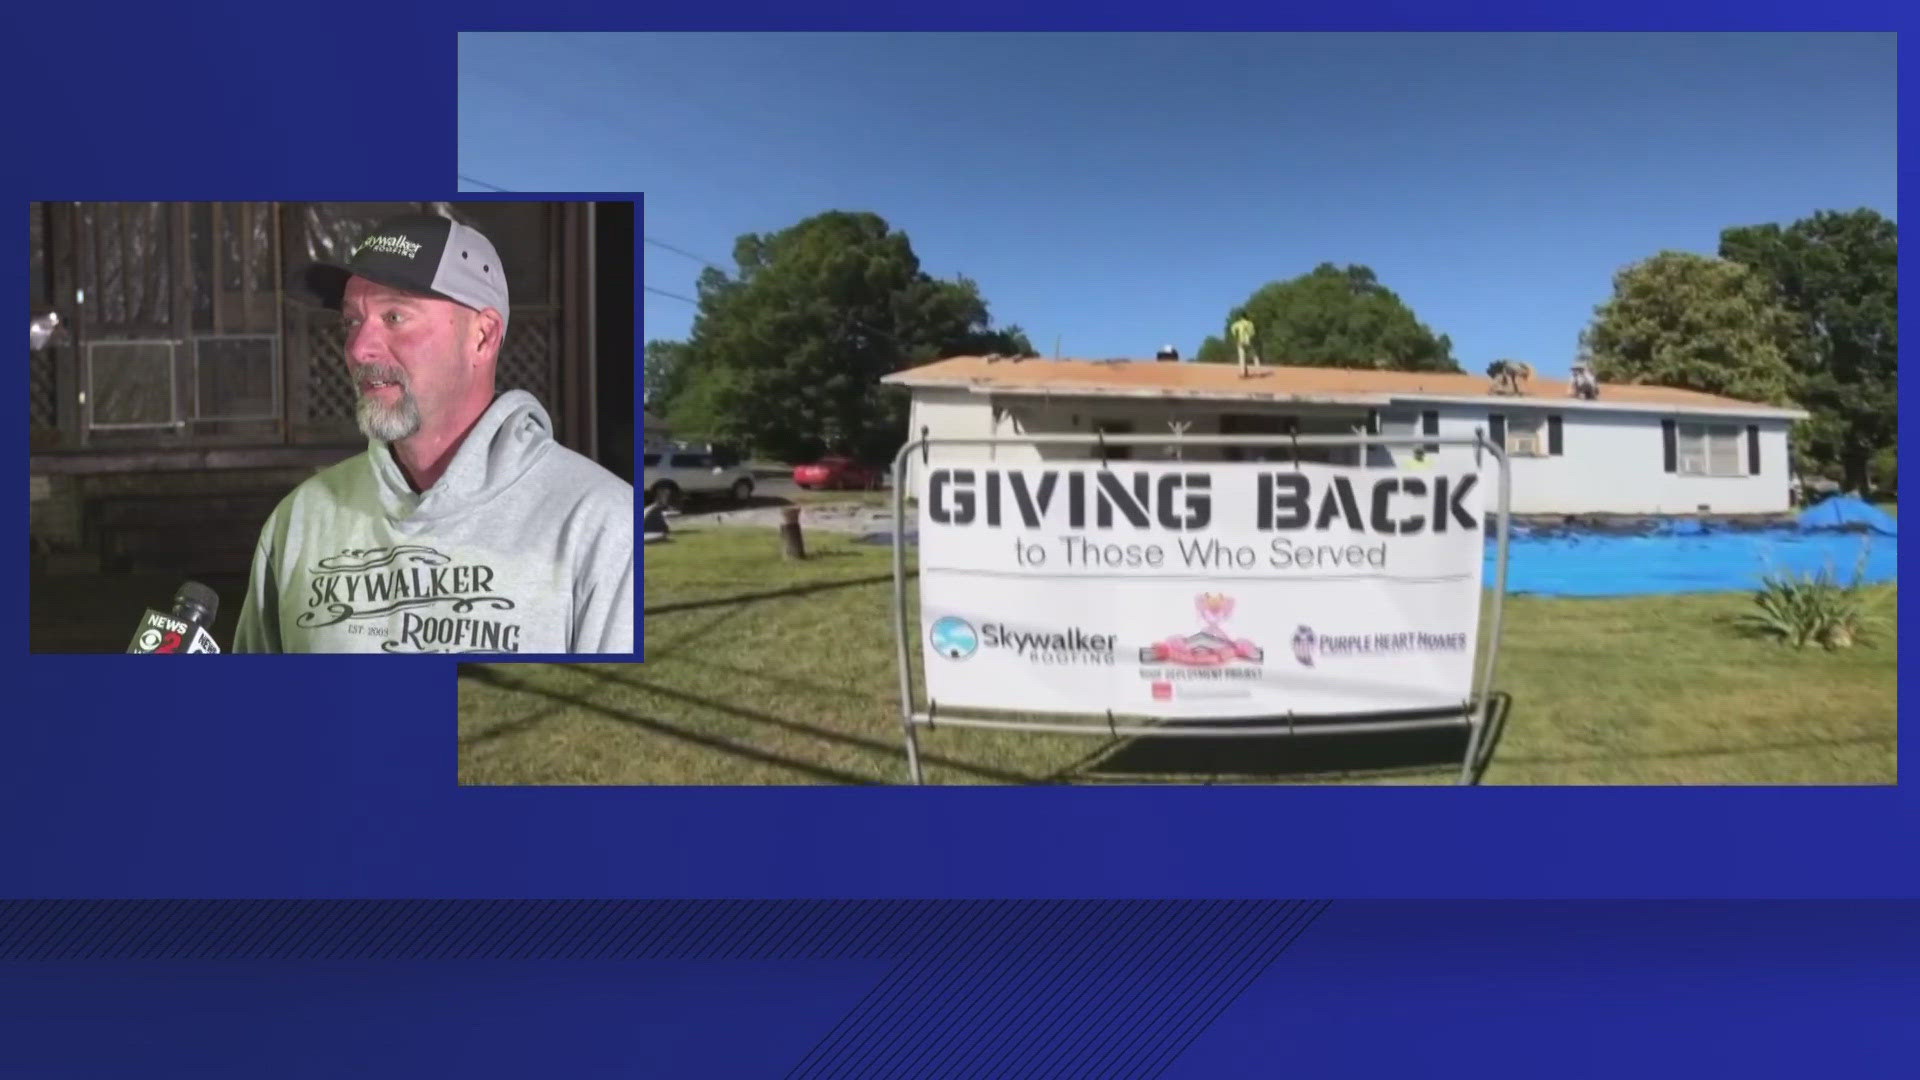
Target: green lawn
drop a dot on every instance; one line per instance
(760, 671)
(836, 497)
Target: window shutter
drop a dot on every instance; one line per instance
(1497, 431)
(1553, 435)
(1430, 425)
(1671, 438)
(1753, 449)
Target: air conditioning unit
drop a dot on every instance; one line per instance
(1524, 445)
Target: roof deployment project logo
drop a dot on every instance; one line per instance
(1209, 663)
(1210, 647)
(954, 637)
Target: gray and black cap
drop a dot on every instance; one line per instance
(421, 253)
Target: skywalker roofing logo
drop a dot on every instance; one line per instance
(1210, 647)
(954, 637)
(389, 245)
(434, 597)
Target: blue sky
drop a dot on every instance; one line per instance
(1119, 192)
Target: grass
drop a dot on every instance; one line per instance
(760, 671)
(854, 498)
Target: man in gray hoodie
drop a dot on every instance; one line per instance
(464, 527)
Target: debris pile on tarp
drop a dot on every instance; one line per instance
(1848, 513)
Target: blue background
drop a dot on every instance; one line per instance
(1700, 988)
(335, 777)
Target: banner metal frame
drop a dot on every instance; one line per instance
(1480, 714)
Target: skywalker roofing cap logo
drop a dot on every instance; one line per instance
(1210, 647)
(954, 637)
(389, 245)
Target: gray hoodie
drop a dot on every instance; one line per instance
(522, 546)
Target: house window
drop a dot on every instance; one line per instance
(1709, 450)
(1114, 427)
(1527, 436)
(1240, 424)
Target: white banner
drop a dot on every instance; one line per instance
(1200, 589)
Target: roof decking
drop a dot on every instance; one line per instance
(1148, 378)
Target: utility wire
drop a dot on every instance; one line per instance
(683, 253)
(671, 296)
(483, 183)
(876, 331)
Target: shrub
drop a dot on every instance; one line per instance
(1886, 471)
(1810, 609)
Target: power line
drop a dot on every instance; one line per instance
(856, 323)
(483, 183)
(684, 253)
(659, 243)
(671, 296)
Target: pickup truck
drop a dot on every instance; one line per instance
(671, 476)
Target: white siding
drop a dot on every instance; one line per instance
(960, 413)
(1615, 463)
(1610, 462)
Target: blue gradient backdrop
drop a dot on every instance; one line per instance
(334, 777)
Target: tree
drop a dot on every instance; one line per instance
(786, 354)
(664, 371)
(1215, 350)
(1838, 275)
(1697, 323)
(1335, 317)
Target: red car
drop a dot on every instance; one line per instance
(837, 472)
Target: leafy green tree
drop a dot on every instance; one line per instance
(1838, 275)
(1694, 322)
(1886, 470)
(1334, 317)
(786, 354)
(1215, 350)
(664, 370)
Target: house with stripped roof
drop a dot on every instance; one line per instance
(1627, 449)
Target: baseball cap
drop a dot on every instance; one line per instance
(422, 253)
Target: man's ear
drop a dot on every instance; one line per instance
(487, 331)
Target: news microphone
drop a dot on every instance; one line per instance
(184, 631)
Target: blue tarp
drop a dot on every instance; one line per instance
(1848, 512)
(1672, 561)
(1687, 555)
(1681, 555)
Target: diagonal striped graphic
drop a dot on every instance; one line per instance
(1002, 988)
(1043, 990)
